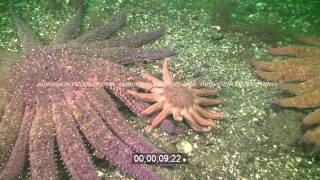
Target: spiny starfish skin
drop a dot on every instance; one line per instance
(172, 98)
(297, 51)
(312, 40)
(301, 77)
(37, 116)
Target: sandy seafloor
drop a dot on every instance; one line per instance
(258, 140)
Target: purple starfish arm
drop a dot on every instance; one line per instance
(137, 106)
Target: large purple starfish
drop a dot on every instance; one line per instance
(41, 105)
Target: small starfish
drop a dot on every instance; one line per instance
(180, 101)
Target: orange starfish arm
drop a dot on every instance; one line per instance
(205, 92)
(309, 100)
(161, 116)
(311, 40)
(302, 88)
(192, 122)
(284, 65)
(312, 118)
(297, 51)
(166, 73)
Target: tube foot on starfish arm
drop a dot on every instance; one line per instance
(169, 97)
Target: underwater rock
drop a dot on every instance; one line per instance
(185, 147)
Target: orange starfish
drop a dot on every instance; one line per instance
(180, 101)
(302, 78)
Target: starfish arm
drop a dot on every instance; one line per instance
(9, 126)
(155, 81)
(199, 119)
(102, 32)
(71, 147)
(312, 135)
(205, 92)
(176, 113)
(194, 125)
(137, 39)
(302, 101)
(311, 40)
(149, 97)
(291, 88)
(157, 90)
(16, 161)
(41, 143)
(101, 101)
(7, 60)
(143, 85)
(28, 40)
(207, 113)
(166, 125)
(148, 87)
(160, 117)
(114, 151)
(208, 101)
(263, 65)
(298, 51)
(102, 69)
(4, 100)
(108, 145)
(293, 74)
(153, 108)
(284, 65)
(312, 118)
(12, 109)
(269, 76)
(132, 55)
(302, 88)
(126, 55)
(71, 28)
(301, 73)
(165, 71)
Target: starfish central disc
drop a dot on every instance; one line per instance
(178, 96)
